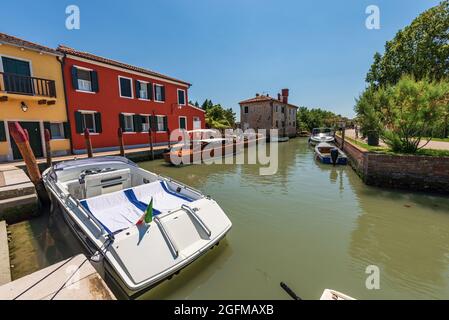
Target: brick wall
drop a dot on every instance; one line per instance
(411, 172)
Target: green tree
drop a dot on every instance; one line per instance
(218, 117)
(420, 50)
(404, 113)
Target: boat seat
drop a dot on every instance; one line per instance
(107, 182)
(120, 210)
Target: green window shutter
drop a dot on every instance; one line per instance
(137, 89)
(137, 119)
(2, 131)
(67, 133)
(94, 79)
(163, 93)
(150, 91)
(79, 122)
(98, 127)
(75, 77)
(122, 121)
(165, 123)
(47, 126)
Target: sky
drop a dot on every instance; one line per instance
(229, 49)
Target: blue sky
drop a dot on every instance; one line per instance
(229, 49)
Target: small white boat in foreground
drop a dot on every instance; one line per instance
(102, 199)
(329, 294)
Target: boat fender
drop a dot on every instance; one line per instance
(334, 155)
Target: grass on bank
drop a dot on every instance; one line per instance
(386, 150)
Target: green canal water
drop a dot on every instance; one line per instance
(311, 226)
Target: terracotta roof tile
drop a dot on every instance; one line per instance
(8, 39)
(89, 56)
(263, 98)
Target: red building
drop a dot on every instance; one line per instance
(103, 95)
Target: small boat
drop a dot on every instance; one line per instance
(321, 135)
(103, 201)
(330, 154)
(329, 294)
(304, 133)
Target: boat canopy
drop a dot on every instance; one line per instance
(97, 160)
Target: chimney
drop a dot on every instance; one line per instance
(285, 95)
(279, 96)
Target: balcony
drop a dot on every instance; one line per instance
(16, 84)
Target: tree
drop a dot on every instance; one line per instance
(420, 50)
(218, 117)
(404, 113)
(307, 119)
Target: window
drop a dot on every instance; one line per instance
(89, 122)
(181, 97)
(128, 123)
(160, 123)
(145, 123)
(159, 92)
(142, 90)
(245, 110)
(283, 124)
(57, 130)
(196, 123)
(283, 109)
(126, 90)
(277, 123)
(84, 80)
(182, 123)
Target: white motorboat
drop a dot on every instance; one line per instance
(330, 294)
(102, 200)
(321, 135)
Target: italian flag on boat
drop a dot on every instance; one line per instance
(147, 215)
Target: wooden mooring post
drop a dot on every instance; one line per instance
(48, 147)
(150, 136)
(120, 142)
(88, 143)
(22, 140)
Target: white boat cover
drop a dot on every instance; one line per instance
(120, 210)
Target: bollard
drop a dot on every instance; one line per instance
(150, 135)
(48, 147)
(120, 142)
(169, 143)
(88, 143)
(21, 137)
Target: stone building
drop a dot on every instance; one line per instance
(265, 112)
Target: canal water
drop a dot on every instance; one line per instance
(311, 226)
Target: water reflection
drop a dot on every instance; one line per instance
(407, 236)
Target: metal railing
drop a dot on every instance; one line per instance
(32, 86)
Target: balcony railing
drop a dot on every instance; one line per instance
(32, 86)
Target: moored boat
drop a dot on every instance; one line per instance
(321, 135)
(330, 154)
(329, 294)
(103, 201)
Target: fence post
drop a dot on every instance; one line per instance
(88, 143)
(48, 147)
(120, 141)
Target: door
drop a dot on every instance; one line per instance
(182, 123)
(34, 132)
(17, 76)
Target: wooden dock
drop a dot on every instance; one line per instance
(71, 279)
